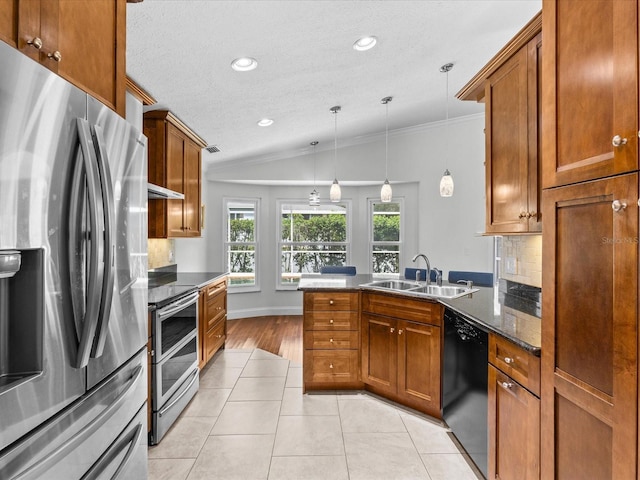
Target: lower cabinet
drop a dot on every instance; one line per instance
(401, 359)
(213, 320)
(514, 412)
(331, 357)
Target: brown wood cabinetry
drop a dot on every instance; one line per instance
(82, 41)
(514, 412)
(590, 96)
(510, 87)
(331, 344)
(401, 350)
(589, 330)
(213, 320)
(174, 163)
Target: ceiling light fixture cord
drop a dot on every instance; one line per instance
(335, 193)
(386, 193)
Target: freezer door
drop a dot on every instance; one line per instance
(103, 428)
(38, 338)
(122, 159)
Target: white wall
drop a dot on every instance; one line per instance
(445, 229)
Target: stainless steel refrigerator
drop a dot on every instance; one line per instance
(73, 281)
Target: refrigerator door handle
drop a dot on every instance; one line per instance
(109, 245)
(96, 267)
(40, 468)
(131, 439)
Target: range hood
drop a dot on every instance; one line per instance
(156, 191)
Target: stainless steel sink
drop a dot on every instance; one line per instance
(421, 289)
(444, 291)
(393, 284)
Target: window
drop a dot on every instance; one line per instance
(311, 237)
(385, 236)
(241, 242)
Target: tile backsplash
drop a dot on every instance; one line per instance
(521, 259)
(161, 252)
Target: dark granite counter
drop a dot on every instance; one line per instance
(167, 284)
(500, 311)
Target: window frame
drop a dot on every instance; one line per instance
(280, 243)
(400, 243)
(256, 242)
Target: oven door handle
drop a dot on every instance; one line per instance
(177, 306)
(184, 392)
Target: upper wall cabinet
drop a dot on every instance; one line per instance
(510, 87)
(174, 163)
(590, 104)
(82, 41)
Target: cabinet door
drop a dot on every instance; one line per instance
(506, 136)
(379, 352)
(514, 430)
(191, 189)
(91, 41)
(590, 90)
(589, 330)
(175, 181)
(9, 22)
(419, 365)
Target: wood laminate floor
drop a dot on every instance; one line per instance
(280, 335)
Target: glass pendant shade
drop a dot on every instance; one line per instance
(314, 198)
(446, 184)
(335, 194)
(385, 192)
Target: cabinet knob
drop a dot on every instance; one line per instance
(531, 214)
(331, 321)
(522, 215)
(400, 332)
(35, 43)
(618, 141)
(331, 340)
(55, 56)
(617, 205)
(392, 329)
(509, 360)
(331, 365)
(330, 302)
(507, 385)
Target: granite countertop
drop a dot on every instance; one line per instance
(164, 286)
(489, 308)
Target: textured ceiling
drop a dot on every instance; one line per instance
(180, 51)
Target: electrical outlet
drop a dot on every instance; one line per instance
(510, 266)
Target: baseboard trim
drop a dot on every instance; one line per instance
(263, 312)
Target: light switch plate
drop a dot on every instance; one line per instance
(510, 265)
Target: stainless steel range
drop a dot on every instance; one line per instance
(175, 377)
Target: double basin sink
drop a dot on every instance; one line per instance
(421, 289)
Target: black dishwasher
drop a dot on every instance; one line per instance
(464, 384)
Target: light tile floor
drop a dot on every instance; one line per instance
(250, 420)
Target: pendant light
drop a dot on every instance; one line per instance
(314, 196)
(335, 193)
(446, 182)
(385, 191)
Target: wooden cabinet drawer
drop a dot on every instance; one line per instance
(215, 309)
(331, 301)
(330, 366)
(215, 338)
(517, 363)
(215, 288)
(327, 340)
(422, 311)
(328, 320)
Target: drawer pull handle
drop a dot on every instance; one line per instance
(509, 360)
(400, 332)
(392, 329)
(331, 340)
(331, 365)
(507, 385)
(331, 321)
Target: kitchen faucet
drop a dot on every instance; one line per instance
(426, 260)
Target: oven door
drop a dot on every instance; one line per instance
(171, 372)
(172, 324)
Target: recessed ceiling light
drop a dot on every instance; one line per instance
(265, 122)
(244, 64)
(365, 43)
